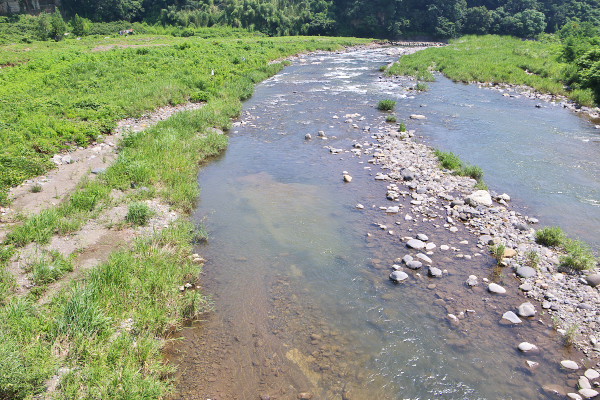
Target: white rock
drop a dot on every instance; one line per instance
(417, 116)
(472, 281)
(424, 258)
(422, 237)
(495, 288)
(347, 178)
(568, 364)
(588, 393)
(444, 247)
(415, 244)
(526, 310)
(430, 246)
(584, 383)
(592, 374)
(574, 396)
(526, 346)
(479, 197)
(511, 317)
(392, 210)
(360, 206)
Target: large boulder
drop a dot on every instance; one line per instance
(479, 197)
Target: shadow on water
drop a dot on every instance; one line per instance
(303, 303)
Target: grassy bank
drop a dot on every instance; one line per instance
(496, 59)
(55, 95)
(104, 333)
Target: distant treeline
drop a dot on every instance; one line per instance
(365, 18)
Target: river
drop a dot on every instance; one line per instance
(298, 275)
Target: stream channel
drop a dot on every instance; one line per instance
(302, 300)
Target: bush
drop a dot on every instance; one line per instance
(138, 214)
(402, 127)
(550, 236)
(449, 160)
(391, 118)
(472, 171)
(579, 256)
(386, 105)
(422, 87)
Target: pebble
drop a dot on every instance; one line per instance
(472, 281)
(526, 287)
(414, 265)
(495, 288)
(422, 237)
(308, 136)
(574, 396)
(424, 258)
(360, 206)
(347, 178)
(584, 383)
(526, 272)
(593, 280)
(444, 247)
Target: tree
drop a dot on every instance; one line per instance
(530, 23)
(80, 26)
(58, 27)
(478, 20)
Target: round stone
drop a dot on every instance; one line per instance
(526, 310)
(495, 288)
(526, 347)
(511, 317)
(398, 276)
(434, 272)
(592, 374)
(588, 393)
(422, 237)
(415, 244)
(526, 272)
(414, 264)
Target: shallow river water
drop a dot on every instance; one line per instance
(301, 294)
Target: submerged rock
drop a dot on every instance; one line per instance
(398, 276)
(511, 317)
(415, 244)
(495, 288)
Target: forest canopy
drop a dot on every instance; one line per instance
(367, 18)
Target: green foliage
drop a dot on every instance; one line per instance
(498, 252)
(391, 118)
(58, 27)
(579, 256)
(138, 214)
(449, 160)
(386, 105)
(80, 26)
(533, 259)
(422, 87)
(49, 268)
(494, 59)
(551, 236)
(402, 127)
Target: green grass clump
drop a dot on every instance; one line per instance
(138, 214)
(402, 127)
(49, 268)
(386, 105)
(579, 257)
(498, 252)
(448, 160)
(496, 59)
(422, 87)
(551, 236)
(391, 118)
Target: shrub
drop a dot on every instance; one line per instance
(550, 236)
(386, 105)
(402, 127)
(36, 188)
(391, 118)
(422, 87)
(533, 259)
(138, 214)
(473, 171)
(449, 160)
(498, 252)
(579, 256)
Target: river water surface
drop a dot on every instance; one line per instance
(302, 299)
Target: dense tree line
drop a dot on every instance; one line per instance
(370, 18)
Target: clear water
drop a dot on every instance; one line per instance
(289, 256)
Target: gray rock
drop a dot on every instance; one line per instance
(568, 364)
(495, 288)
(472, 281)
(347, 178)
(407, 258)
(67, 159)
(398, 276)
(526, 310)
(414, 264)
(526, 272)
(486, 239)
(98, 171)
(408, 175)
(393, 210)
(434, 272)
(430, 246)
(593, 280)
(415, 244)
(422, 237)
(417, 116)
(479, 197)
(308, 136)
(511, 317)
(574, 396)
(526, 287)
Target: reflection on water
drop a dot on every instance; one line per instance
(302, 297)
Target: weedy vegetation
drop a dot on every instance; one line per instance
(452, 162)
(578, 255)
(386, 105)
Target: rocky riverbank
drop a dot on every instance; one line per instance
(412, 173)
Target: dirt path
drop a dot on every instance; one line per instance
(100, 236)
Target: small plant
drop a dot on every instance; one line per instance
(422, 87)
(579, 256)
(498, 252)
(391, 118)
(570, 335)
(36, 188)
(481, 185)
(449, 160)
(550, 236)
(383, 68)
(532, 259)
(386, 105)
(138, 214)
(472, 171)
(402, 127)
